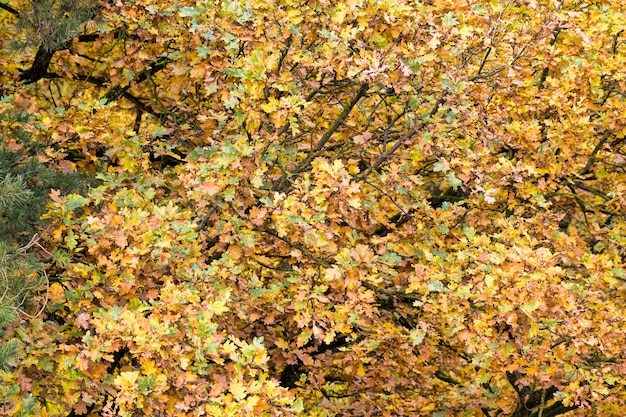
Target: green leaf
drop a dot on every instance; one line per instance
(298, 406)
(229, 193)
(391, 258)
(440, 254)
(70, 240)
(436, 286)
(453, 180)
(489, 281)
(448, 19)
(267, 201)
(75, 201)
(470, 233)
(417, 336)
(203, 51)
(188, 12)
(530, 307)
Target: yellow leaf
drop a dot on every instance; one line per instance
(126, 380)
(429, 407)
(56, 293)
(238, 389)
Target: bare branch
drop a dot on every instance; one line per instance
(555, 409)
(283, 54)
(585, 187)
(401, 295)
(43, 57)
(484, 61)
(100, 82)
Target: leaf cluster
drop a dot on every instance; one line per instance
(328, 208)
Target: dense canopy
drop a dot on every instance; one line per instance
(323, 208)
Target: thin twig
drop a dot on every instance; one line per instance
(298, 246)
(383, 157)
(45, 303)
(205, 219)
(484, 61)
(33, 241)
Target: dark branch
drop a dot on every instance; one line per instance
(546, 70)
(283, 54)
(522, 391)
(442, 376)
(9, 9)
(113, 366)
(115, 92)
(530, 399)
(305, 164)
(39, 68)
(386, 155)
(100, 82)
(618, 141)
(594, 153)
(295, 245)
(212, 210)
(338, 122)
(43, 57)
(484, 61)
(583, 186)
(534, 400)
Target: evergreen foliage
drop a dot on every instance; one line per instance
(25, 184)
(51, 23)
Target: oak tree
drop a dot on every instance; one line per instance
(327, 208)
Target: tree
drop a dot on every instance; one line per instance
(24, 186)
(13, 271)
(330, 208)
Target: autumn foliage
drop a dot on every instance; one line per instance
(324, 208)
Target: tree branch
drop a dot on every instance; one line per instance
(594, 153)
(295, 245)
(116, 91)
(401, 295)
(100, 82)
(585, 187)
(39, 68)
(530, 399)
(484, 61)
(9, 9)
(386, 155)
(113, 366)
(523, 393)
(304, 165)
(283, 54)
(43, 57)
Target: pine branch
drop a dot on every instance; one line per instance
(8, 351)
(13, 190)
